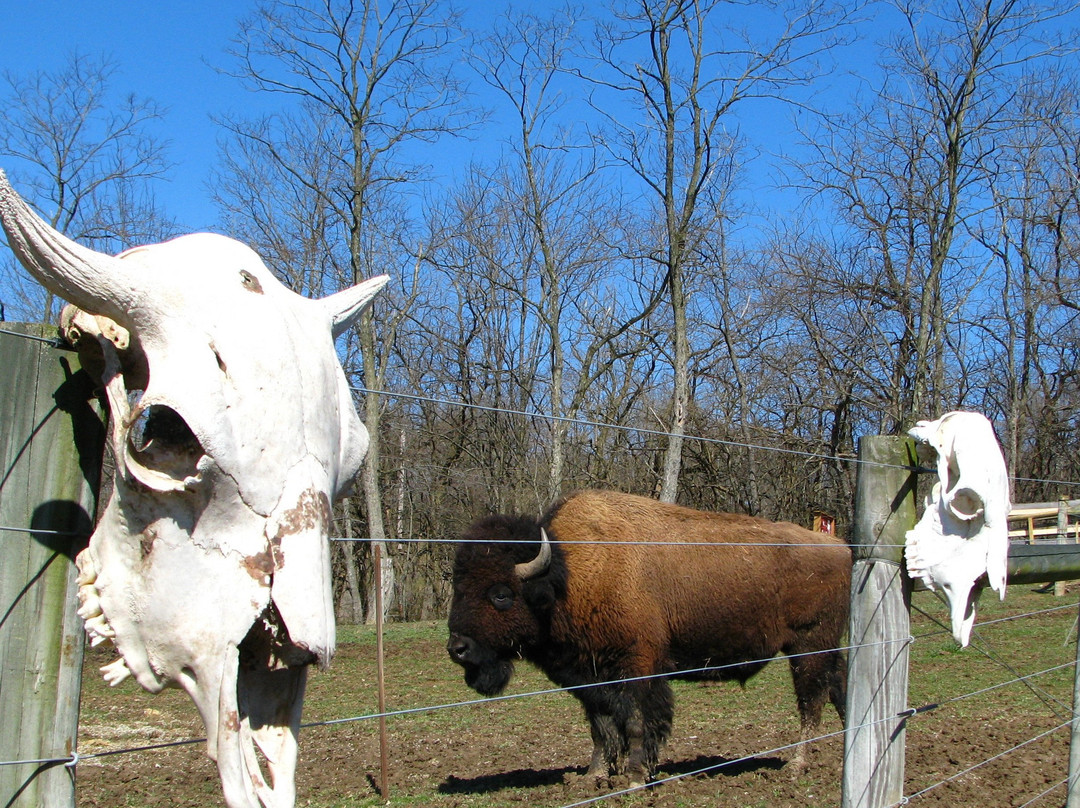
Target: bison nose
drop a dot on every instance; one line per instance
(459, 648)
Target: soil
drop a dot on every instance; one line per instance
(534, 751)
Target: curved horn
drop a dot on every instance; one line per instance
(96, 282)
(345, 306)
(540, 564)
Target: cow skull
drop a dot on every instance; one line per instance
(964, 531)
(210, 567)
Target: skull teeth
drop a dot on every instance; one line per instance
(115, 672)
(87, 571)
(98, 627)
(89, 603)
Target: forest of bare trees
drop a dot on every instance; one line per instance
(614, 296)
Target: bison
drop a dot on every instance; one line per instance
(614, 588)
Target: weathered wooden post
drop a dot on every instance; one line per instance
(880, 626)
(1073, 799)
(51, 439)
(1062, 531)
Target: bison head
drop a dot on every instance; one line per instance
(505, 584)
(232, 427)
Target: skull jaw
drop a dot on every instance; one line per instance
(183, 609)
(247, 709)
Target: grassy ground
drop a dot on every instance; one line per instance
(534, 750)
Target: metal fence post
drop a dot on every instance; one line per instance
(879, 624)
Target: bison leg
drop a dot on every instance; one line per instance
(609, 741)
(629, 725)
(818, 678)
(607, 746)
(647, 727)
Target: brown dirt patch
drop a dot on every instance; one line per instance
(534, 750)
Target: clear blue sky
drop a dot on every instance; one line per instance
(168, 52)
(164, 51)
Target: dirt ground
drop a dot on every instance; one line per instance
(533, 751)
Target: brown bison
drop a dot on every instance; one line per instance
(609, 586)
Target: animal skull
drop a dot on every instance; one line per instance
(964, 530)
(210, 568)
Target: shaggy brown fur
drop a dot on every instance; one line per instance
(728, 595)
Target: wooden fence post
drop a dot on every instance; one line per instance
(51, 438)
(1073, 794)
(879, 624)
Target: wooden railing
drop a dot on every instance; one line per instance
(1045, 522)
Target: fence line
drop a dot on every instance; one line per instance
(664, 434)
(977, 645)
(1044, 793)
(73, 759)
(409, 711)
(990, 759)
(598, 542)
(76, 758)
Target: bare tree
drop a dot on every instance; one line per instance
(84, 155)
(910, 173)
(377, 78)
(557, 214)
(679, 68)
(1031, 230)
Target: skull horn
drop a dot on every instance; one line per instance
(96, 282)
(540, 564)
(345, 306)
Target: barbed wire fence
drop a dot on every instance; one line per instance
(1027, 680)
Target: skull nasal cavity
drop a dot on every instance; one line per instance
(164, 430)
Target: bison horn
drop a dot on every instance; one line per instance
(93, 281)
(345, 306)
(540, 564)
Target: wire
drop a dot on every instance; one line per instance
(990, 759)
(664, 434)
(54, 342)
(597, 542)
(979, 646)
(1044, 793)
(622, 427)
(72, 534)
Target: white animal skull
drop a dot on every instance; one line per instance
(210, 567)
(964, 530)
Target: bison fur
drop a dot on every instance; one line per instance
(614, 588)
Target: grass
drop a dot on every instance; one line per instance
(520, 750)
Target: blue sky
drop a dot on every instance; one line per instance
(163, 51)
(168, 52)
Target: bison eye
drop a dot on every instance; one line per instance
(501, 597)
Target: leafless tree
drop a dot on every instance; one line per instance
(377, 79)
(676, 69)
(86, 156)
(558, 215)
(910, 171)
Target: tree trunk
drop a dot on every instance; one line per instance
(351, 607)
